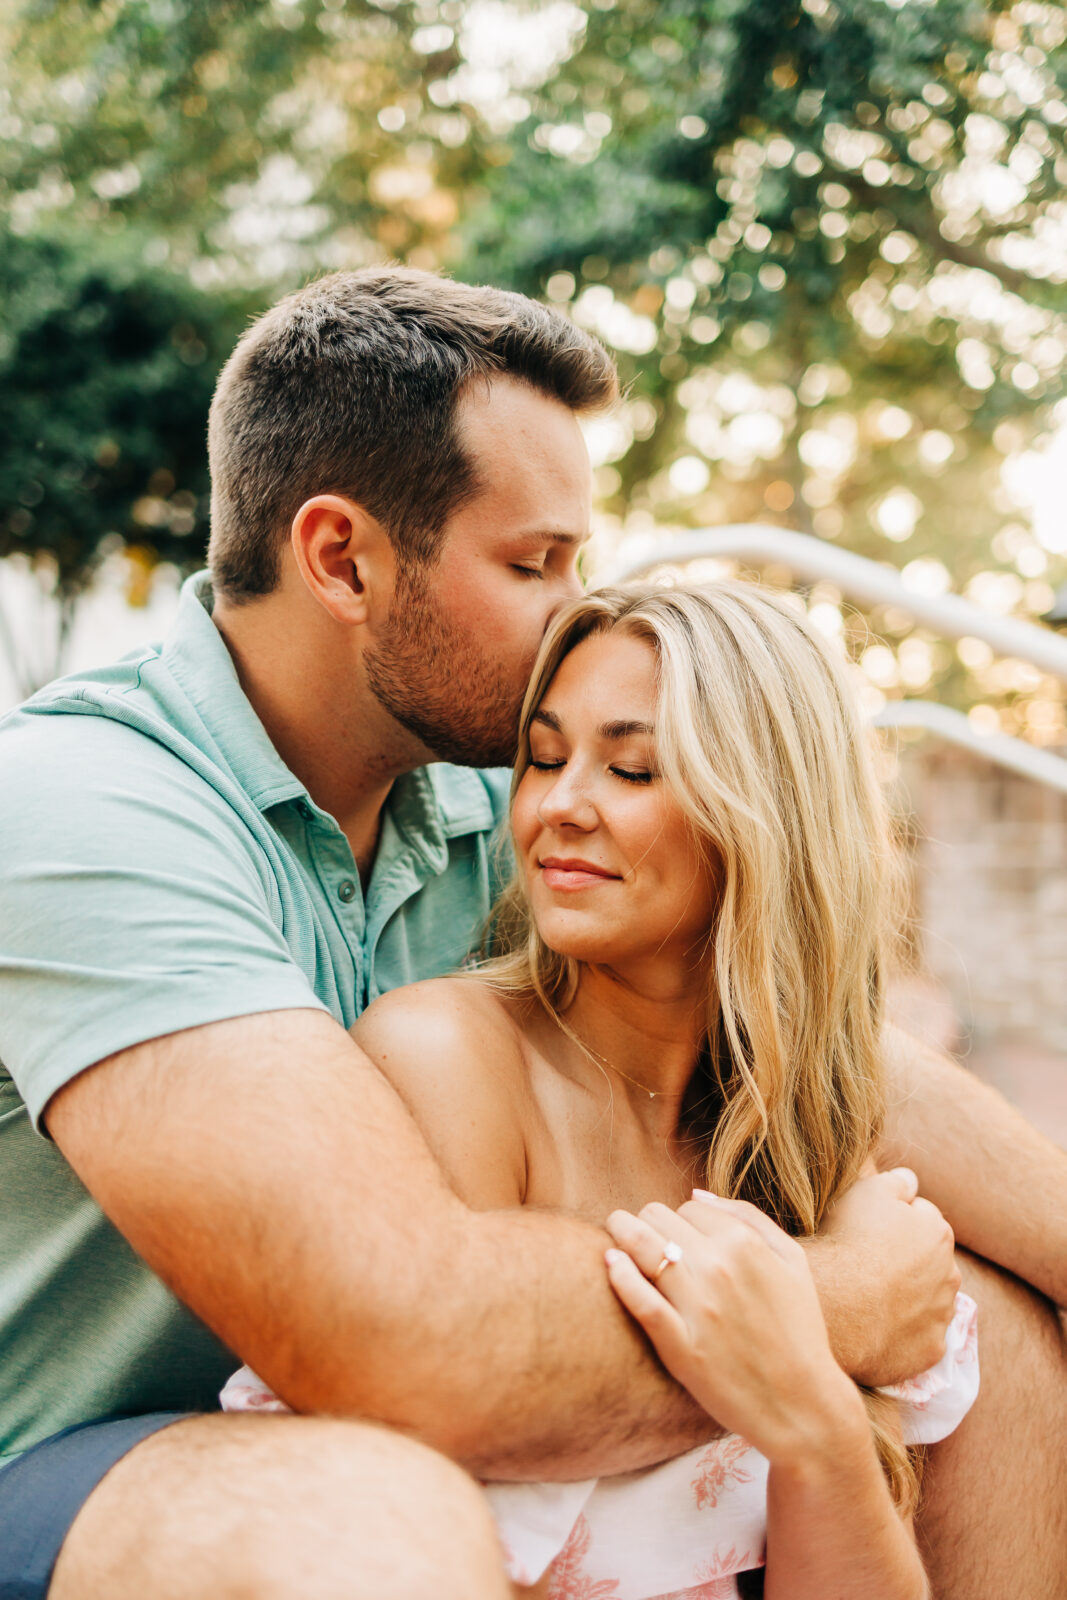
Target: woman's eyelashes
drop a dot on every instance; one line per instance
(627, 774)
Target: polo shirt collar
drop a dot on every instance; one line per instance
(196, 654)
(429, 806)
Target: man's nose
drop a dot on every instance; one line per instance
(573, 584)
(568, 587)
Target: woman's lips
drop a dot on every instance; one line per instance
(557, 873)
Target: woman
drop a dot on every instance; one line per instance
(681, 1031)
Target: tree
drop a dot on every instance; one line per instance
(106, 372)
(827, 241)
(250, 142)
(166, 169)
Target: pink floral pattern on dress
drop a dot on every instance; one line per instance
(245, 1392)
(944, 1379)
(608, 1539)
(568, 1581)
(716, 1579)
(516, 1571)
(718, 1470)
(920, 1390)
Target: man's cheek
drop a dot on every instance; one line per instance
(512, 642)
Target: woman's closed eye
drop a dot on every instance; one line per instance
(627, 774)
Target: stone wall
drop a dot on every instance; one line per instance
(989, 860)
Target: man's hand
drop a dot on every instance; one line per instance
(884, 1266)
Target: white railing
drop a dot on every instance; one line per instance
(870, 583)
(1001, 748)
(866, 582)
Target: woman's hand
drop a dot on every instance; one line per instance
(737, 1321)
(735, 1317)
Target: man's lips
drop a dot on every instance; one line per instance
(568, 872)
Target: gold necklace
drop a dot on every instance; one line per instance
(602, 1061)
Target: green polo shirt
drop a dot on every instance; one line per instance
(160, 868)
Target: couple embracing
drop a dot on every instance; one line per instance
(599, 1218)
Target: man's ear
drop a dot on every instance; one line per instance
(344, 556)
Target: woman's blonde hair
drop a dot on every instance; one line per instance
(759, 738)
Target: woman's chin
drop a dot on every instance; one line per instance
(590, 955)
(589, 945)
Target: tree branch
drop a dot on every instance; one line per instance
(23, 678)
(924, 227)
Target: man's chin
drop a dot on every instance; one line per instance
(438, 739)
(476, 753)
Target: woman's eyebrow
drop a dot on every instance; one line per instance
(624, 730)
(612, 731)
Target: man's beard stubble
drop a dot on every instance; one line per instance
(436, 684)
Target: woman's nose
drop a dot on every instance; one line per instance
(567, 802)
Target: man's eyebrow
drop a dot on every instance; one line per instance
(553, 536)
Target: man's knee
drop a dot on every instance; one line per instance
(276, 1508)
(991, 1521)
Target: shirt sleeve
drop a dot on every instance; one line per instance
(134, 902)
(497, 782)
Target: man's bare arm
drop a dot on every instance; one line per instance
(265, 1169)
(1001, 1184)
(269, 1174)
(453, 1055)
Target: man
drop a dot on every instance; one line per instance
(215, 854)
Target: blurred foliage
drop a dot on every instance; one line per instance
(106, 372)
(243, 137)
(827, 241)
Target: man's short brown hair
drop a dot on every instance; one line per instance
(350, 387)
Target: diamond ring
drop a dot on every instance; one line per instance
(672, 1254)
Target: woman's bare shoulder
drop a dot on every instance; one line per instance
(452, 1049)
(447, 1013)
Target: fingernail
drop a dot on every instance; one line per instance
(612, 1256)
(706, 1194)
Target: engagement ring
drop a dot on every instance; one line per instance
(672, 1253)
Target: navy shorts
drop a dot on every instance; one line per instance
(42, 1492)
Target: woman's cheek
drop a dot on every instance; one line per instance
(524, 820)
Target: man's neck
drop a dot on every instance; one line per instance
(325, 723)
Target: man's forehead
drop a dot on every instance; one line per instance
(532, 474)
(517, 423)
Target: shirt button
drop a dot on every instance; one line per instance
(346, 890)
